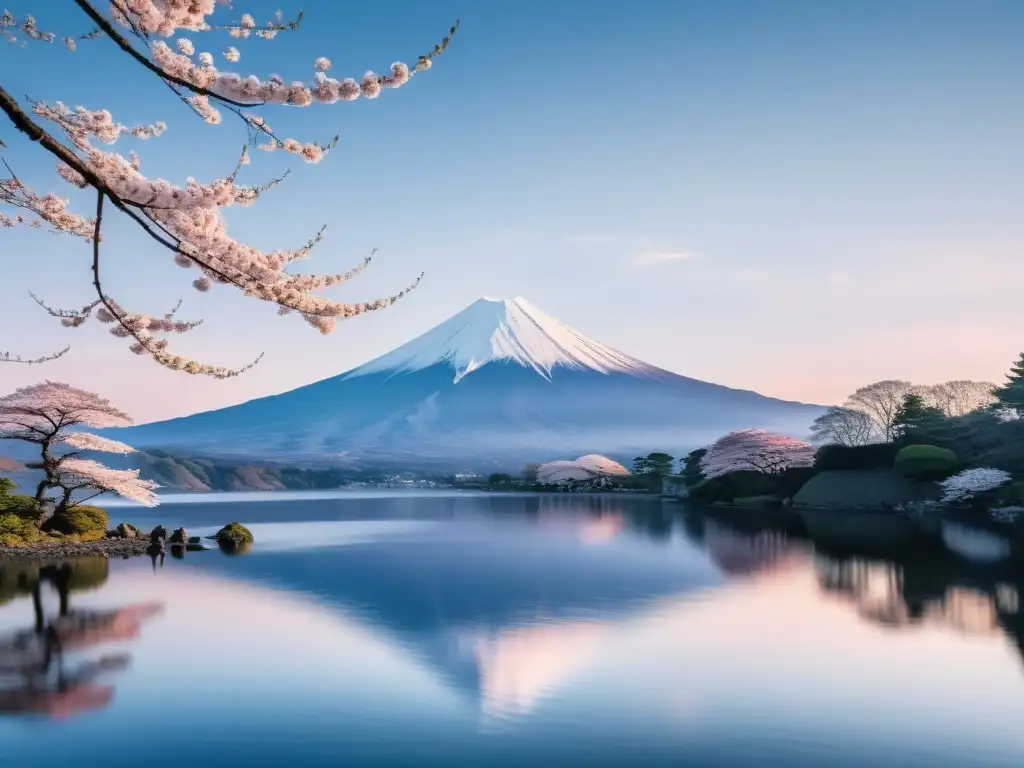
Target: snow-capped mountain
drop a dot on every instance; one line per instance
(498, 384)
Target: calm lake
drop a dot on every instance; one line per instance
(477, 630)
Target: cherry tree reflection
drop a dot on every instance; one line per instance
(51, 668)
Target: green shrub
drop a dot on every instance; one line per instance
(6, 486)
(926, 462)
(80, 520)
(15, 530)
(22, 506)
(840, 457)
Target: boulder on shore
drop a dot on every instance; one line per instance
(234, 539)
(126, 531)
(234, 532)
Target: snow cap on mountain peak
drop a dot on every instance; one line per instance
(503, 330)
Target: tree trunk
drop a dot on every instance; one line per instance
(47, 481)
(65, 501)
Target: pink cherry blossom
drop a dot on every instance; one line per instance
(186, 216)
(32, 412)
(86, 473)
(86, 441)
(755, 450)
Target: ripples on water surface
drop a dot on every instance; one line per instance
(480, 630)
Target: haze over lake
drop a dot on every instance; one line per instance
(467, 629)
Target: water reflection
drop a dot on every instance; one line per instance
(39, 673)
(885, 577)
(568, 632)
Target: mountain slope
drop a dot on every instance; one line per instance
(498, 384)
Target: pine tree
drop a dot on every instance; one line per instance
(916, 421)
(1011, 394)
(691, 472)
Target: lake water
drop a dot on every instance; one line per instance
(476, 630)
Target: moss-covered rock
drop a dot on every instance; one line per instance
(81, 520)
(234, 532)
(234, 539)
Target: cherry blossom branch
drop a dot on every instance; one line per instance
(144, 341)
(187, 220)
(29, 27)
(125, 45)
(5, 357)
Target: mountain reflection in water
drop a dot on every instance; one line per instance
(552, 630)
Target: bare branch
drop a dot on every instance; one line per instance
(6, 357)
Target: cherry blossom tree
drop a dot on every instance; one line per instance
(186, 219)
(45, 415)
(755, 450)
(971, 483)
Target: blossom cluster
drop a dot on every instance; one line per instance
(755, 450)
(971, 483)
(49, 208)
(42, 410)
(86, 441)
(188, 218)
(27, 26)
(86, 473)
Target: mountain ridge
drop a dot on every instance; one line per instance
(495, 385)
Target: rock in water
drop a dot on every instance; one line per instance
(180, 536)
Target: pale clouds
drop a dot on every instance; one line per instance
(592, 239)
(656, 258)
(750, 275)
(839, 278)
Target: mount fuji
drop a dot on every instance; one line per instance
(496, 385)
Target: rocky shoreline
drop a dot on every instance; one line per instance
(51, 550)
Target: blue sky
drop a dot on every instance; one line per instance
(793, 197)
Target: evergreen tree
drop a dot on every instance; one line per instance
(691, 472)
(1011, 394)
(659, 464)
(917, 422)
